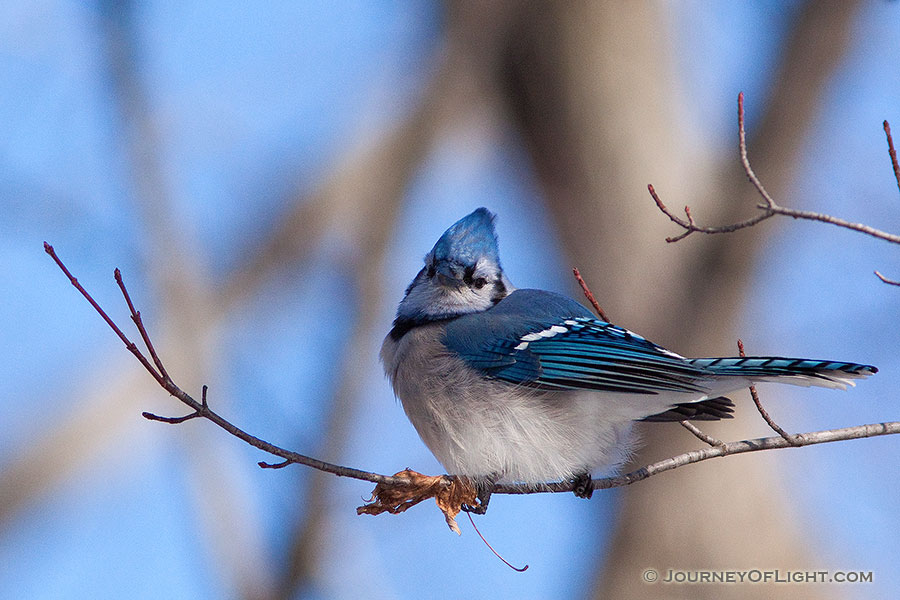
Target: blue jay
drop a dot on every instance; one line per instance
(507, 385)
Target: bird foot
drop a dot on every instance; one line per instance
(583, 487)
(483, 489)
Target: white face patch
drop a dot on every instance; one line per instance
(426, 297)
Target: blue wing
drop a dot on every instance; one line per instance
(549, 341)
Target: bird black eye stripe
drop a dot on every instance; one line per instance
(498, 292)
(468, 274)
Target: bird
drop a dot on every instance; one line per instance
(507, 385)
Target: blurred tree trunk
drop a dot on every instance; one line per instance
(591, 90)
(591, 87)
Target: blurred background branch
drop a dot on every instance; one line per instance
(272, 177)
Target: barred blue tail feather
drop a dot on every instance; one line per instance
(794, 371)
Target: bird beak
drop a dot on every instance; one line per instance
(447, 277)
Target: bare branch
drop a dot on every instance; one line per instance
(397, 483)
(823, 218)
(589, 295)
(769, 208)
(705, 437)
(280, 465)
(727, 449)
(690, 227)
(886, 280)
(170, 420)
(136, 317)
(742, 136)
(792, 440)
(892, 152)
(201, 409)
(128, 343)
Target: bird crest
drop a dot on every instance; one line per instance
(469, 239)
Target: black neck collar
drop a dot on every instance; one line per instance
(403, 325)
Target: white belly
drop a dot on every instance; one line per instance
(489, 428)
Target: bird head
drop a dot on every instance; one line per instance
(462, 273)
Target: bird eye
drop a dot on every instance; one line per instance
(480, 282)
(430, 271)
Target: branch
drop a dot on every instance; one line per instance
(886, 280)
(790, 439)
(699, 434)
(727, 449)
(892, 152)
(768, 207)
(589, 295)
(446, 489)
(201, 409)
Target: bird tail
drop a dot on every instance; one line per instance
(795, 371)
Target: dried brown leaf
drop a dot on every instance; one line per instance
(450, 493)
(451, 498)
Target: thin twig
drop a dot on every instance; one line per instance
(589, 295)
(700, 434)
(892, 152)
(136, 317)
(792, 440)
(201, 409)
(751, 175)
(280, 465)
(689, 225)
(768, 208)
(886, 280)
(171, 420)
(822, 218)
(128, 343)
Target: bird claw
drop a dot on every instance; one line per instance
(583, 486)
(478, 509)
(483, 489)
